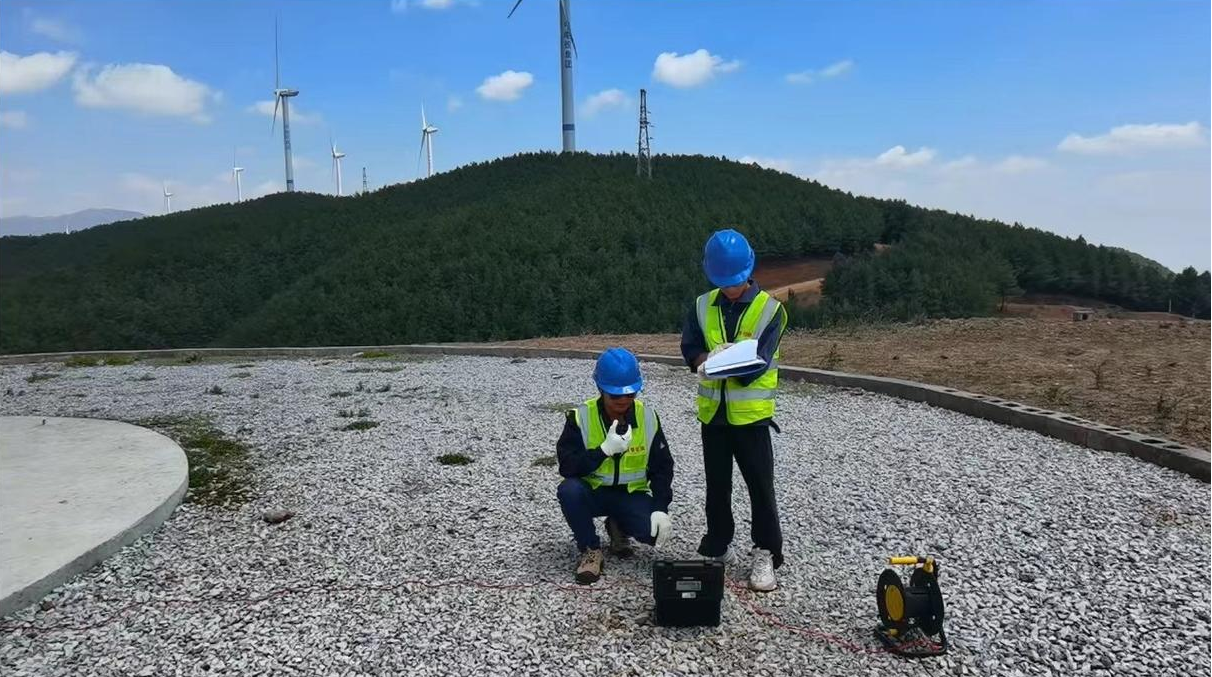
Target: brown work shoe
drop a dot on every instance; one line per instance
(590, 568)
(620, 544)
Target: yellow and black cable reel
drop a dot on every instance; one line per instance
(910, 617)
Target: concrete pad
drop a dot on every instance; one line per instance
(74, 491)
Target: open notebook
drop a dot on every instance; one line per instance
(737, 360)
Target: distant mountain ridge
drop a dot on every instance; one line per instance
(530, 245)
(85, 218)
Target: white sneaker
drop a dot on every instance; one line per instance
(761, 577)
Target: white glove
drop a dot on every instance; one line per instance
(662, 528)
(615, 443)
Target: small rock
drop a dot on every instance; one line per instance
(1026, 576)
(46, 605)
(517, 360)
(277, 516)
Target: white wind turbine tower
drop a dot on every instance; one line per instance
(568, 50)
(336, 162)
(235, 174)
(427, 132)
(168, 200)
(282, 96)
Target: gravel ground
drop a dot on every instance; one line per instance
(1055, 559)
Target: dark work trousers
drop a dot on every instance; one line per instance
(754, 454)
(581, 503)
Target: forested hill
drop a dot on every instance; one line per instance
(538, 244)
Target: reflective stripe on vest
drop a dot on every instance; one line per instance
(633, 463)
(743, 404)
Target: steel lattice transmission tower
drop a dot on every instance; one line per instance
(364, 188)
(643, 155)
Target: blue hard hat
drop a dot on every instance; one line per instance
(727, 258)
(618, 372)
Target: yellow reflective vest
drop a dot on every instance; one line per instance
(744, 404)
(629, 468)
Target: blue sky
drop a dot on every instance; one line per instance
(1079, 117)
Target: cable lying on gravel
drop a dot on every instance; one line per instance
(1057, 559)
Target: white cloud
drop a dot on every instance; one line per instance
(960, 164)
(55, 29)
(507, 86)
(610, 98)
(1159, 207)
(1020, 164)
(145, 88)
(14, 119)
(839, 68)
(402, 6)
(690, 70)
(780, 164)
(833, 70)
(297, 116)
(1127, 139)
(453, 103)
(19, 74)
(899, 158)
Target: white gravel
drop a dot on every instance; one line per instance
(1055, 559)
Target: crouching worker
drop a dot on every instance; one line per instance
(616, 464)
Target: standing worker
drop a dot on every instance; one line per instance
(621, 470)
(737, 413)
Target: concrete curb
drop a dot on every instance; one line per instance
(1191, 461)
(36, 590)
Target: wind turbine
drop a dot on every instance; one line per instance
(427, 132)
(235, 174)
(168, 200)
(336, 162)
(568, 49)
(282, 97)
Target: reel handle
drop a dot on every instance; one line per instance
(927, 562)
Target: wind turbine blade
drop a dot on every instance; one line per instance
(515, 8)
(424, 124)
(277, 100)
(424, 138)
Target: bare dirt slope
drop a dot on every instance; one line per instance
(774, 273)
(1149, 376)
